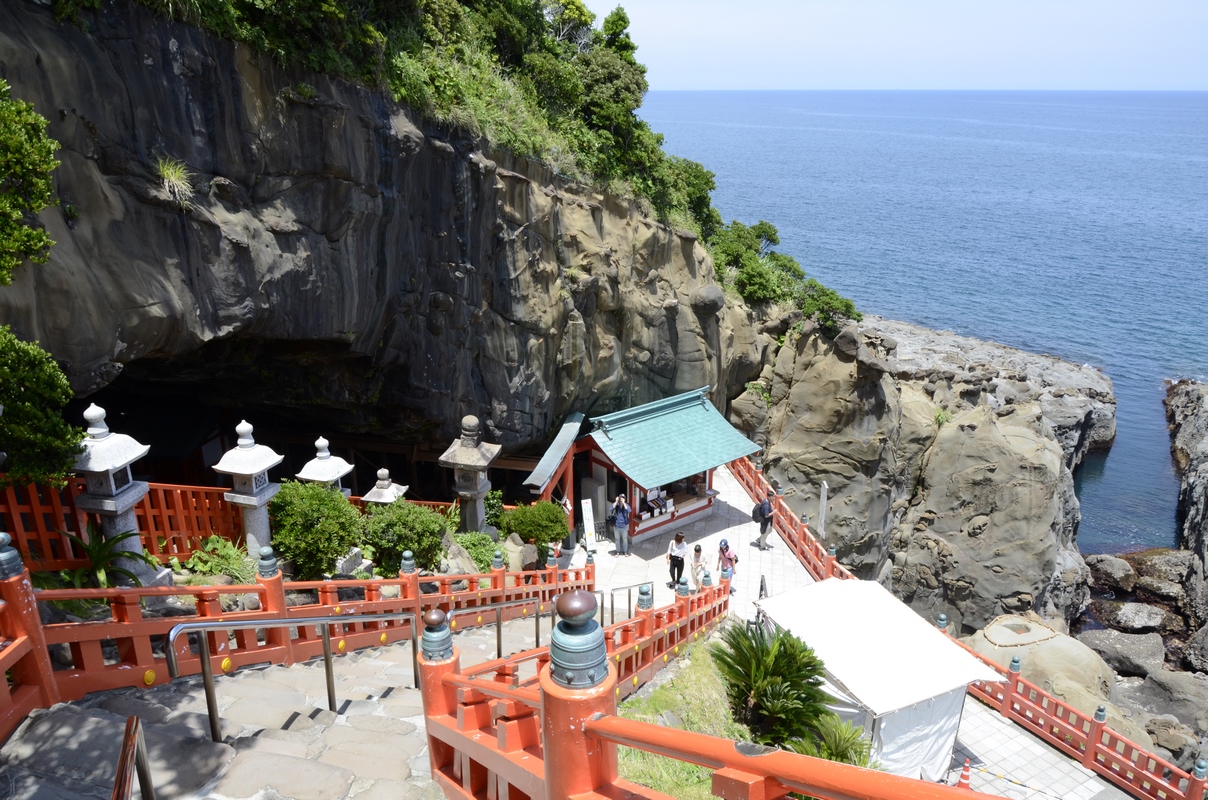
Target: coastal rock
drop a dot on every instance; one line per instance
(1109, 573)
(1176, 738)
(1183, 695)
(342, 261)
(1196, 653)
(1187, 413)
(1136, 617)
(1127, 653)
(1059, 664)
(948, 461)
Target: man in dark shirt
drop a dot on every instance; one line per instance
(765, 521)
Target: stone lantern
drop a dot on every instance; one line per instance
(325, 468)
(248, 464)
(469, 458)
(384, 491)
(112, 492)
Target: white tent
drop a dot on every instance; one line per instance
(889, 670)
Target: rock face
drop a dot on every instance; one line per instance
(948, 462)
(1127, 653)
(339, 258)
(1187, 413)
(1059, 664)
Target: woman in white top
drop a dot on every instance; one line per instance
(676, 551)
(698, 567)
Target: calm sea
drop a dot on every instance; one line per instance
(1067, 223)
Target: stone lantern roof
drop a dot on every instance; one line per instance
(324, 467)
(247, 457)
(105, 451)
(385, 490)
(469, 452)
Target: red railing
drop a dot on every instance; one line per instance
(492, 733)
(1092, 743)
(173, 520)
(126, 648)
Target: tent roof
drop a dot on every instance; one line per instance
(663, 441)
(874, 645)
(549, 463)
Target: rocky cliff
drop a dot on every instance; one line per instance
(948, 462)
(338, 257)
(1187, 412)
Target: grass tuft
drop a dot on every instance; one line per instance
(176, 179)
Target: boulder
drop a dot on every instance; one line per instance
(1181, 694)
(1059, 664)
(1197, 650)
(847, 341)
(1176, 738)
(1111, 573)
(1136, 617)
(707, 300)
(1127, 653)
(457, 561)
(513, 553)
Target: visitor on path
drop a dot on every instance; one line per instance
(620, 524)
(676, 551)
(698, 567)
(727, 559)
(765, 520)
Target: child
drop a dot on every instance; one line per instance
(698, 567)
(727, 559)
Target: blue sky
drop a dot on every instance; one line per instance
(920, 44)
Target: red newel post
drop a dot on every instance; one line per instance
(577, 684)
(1094, 737)
(438, 657)
(21, 618)
(268, 575)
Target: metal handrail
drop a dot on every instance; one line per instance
(612, 600)
(133, 757)
(207, 669)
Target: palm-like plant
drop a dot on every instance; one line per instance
(837, 741)
(774, 683)
(104, 559)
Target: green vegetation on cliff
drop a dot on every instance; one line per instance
(27, 157)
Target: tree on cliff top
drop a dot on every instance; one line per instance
(27, 157)
(40, 444)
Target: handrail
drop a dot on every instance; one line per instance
(323, 623)
(814, 777)
(207, 669)
(133, 757)
(612, 600)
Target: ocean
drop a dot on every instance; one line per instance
(1068, 223)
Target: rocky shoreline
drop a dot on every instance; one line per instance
(948, 461)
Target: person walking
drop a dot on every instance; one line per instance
(727, 559)
(676, 550)
(697, 567)
(765, 520)
(620, 524)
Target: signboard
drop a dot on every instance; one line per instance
(589, 525)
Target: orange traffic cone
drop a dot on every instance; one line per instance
(963, 783)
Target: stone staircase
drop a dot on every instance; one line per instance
(280, 739)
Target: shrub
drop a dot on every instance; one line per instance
(313, 525)
(774, 683)
(494, 507)
(27, 158)
(399, 526)
(104, 559)
(542, 522)
(837, 741)
(219, 556)
(176, 180)
(480, 546)
(41, 445)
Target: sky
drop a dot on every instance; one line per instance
(920, 44)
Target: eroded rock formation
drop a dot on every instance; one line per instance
(948, 462)
(339, 258)
(1187, 412)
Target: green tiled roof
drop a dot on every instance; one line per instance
(554, 454)
(669, 439)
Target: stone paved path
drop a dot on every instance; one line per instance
(281, 741)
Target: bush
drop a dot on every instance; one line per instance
(774, 683)
(494, 507)
(399, 526)
(219, 556)
(480, 546)
(313, 525)
(543, 522)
